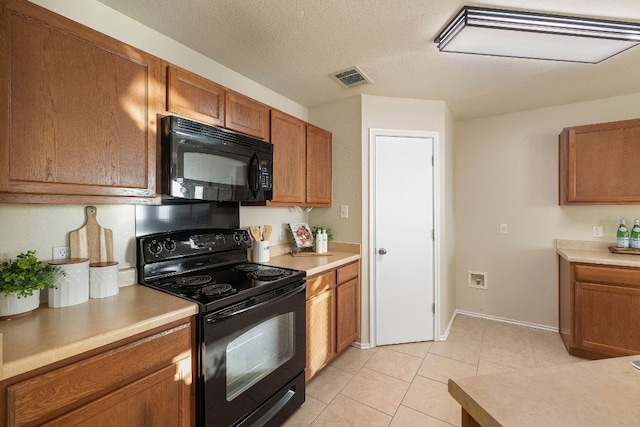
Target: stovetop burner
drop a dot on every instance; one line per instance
(217, 289)
(246, 268)
(192, 281)
(268, 273)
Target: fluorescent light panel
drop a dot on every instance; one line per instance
(536, 36)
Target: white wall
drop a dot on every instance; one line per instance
(40, 227)
(507, 172)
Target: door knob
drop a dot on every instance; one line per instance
(382, 251)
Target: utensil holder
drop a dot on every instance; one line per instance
(103, 279)
(72, 288)
(261, 251)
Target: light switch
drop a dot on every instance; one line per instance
(344, 211)
(504, 229)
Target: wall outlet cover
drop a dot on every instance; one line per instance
(597, 231)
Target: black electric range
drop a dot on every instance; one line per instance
(207, 266)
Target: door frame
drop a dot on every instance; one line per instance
(435, 191)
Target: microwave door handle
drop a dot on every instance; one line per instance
(254, 175)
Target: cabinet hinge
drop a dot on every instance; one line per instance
(433, 162)
(433, 308)
(433, 234)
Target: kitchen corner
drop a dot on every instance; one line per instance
(49, 335)
(340, 254)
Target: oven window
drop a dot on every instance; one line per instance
(215, 169)
(258, 352)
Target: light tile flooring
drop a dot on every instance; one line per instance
(406, 384)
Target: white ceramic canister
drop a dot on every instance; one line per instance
(72, 288)
(103, 279)
(261, 251)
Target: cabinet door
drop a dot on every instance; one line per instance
(159, 399)
(111, 385)
(347, 313)
(195, 97)
(318, 182)
(320, 331)
(598, 163)
(80, 111)
(289, 153)
(607, 319)
(246, 115)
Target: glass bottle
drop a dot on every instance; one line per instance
(634, 240)
(622, 237)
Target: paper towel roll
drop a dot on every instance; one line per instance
(103, 279)
(72, 288)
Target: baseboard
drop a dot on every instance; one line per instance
(502, 319)
(361, 345)
(445, 336)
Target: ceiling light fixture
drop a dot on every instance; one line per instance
(536, 36)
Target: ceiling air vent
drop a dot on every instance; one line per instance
(352, 77)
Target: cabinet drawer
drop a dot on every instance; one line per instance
(613, 275)
(58, 390)
(348, 272)
(320, 283)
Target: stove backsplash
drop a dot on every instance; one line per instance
(181, 215)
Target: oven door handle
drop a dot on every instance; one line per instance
(235, 310)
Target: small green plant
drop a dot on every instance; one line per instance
(25, 274)
(315, 228)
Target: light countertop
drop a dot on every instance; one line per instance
(594, 252)
(595, 393)
(49, 335)
(341, 254)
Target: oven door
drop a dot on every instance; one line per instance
(253, 360)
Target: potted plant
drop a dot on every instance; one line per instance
(20, 283)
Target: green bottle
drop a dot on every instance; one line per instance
(634, 241)
(622, 240)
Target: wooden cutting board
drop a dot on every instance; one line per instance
(91, 241)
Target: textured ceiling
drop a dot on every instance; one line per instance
(293, 46)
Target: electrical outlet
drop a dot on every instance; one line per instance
(504, 229)
(597, 231)
(344, 211)
(60, 252)
(281, 234)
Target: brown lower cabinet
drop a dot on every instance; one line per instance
(599, 309)
(145, 380)
(333, 314)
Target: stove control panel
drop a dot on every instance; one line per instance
(179, 244)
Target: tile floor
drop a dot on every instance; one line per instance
(406, 384)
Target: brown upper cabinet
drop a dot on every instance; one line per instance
(301, 162)
(200, 99)
(193, 96)
(318, 166)
(246, 115)
(78, 122)
(598, 163)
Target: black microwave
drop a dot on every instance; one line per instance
(202, 162)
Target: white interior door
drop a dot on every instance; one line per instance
(403, 239)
